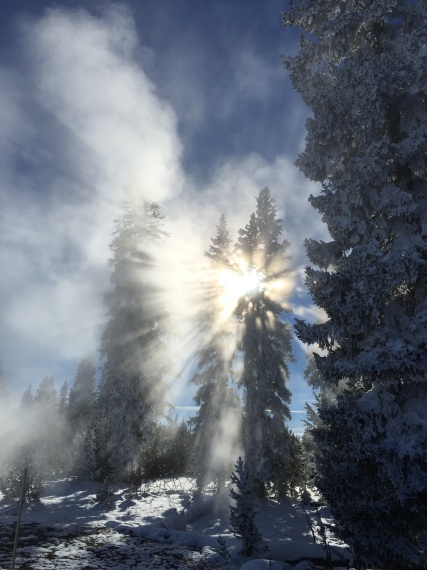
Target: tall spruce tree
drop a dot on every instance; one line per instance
(82, 415)
(46, 398)
(266, 347)
(46, 427)
(64, 393)
(133, 388)
(217, 422)
(27, 399)
(81, 403)
(363, 72)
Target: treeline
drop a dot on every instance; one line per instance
(63, 435)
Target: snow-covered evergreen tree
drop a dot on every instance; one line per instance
(180, 447)
(27, 399)
(63, 398)
(217, 423)
(81, 404)
(85, 462)
(219, 251)
(44, 444)
(46, 398)
(133, 389)
(170, 452)
(82, 418)
(363, 72)
(50, 431)
(266, 347)
(242, 514)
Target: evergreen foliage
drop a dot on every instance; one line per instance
(170, 452)
(217, 422)
(41, 449)
(82, 419)
(133, 388)
(242, 515)
(85, 466)
(363, 72)
(222, 548)
(81, 404)
(11, 479)
(219, 251)
(27, 399)
(48, 432)
(63, 398)
(266, 347)
(45, 397)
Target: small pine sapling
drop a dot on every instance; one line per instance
(222, 548)
(242, 515)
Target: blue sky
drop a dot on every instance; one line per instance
(182, 102)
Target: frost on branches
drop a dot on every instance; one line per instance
(242, 515)
(217, 422)
(133, 386)
(266, 350)
(362, 69)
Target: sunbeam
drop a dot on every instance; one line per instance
(237, 284)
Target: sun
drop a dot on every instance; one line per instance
(249, 281)
(236, 285)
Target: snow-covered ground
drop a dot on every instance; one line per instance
(160, 525)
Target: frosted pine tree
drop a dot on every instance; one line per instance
(46, 398)
(133, 388)
(82, 399)
(45, 427)
(266, 347)
(217, 423)
(364, 76)
(27, 399)
(64, 392)
(242, 514)
(219, 251)
(82, 419)
(85, 461)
